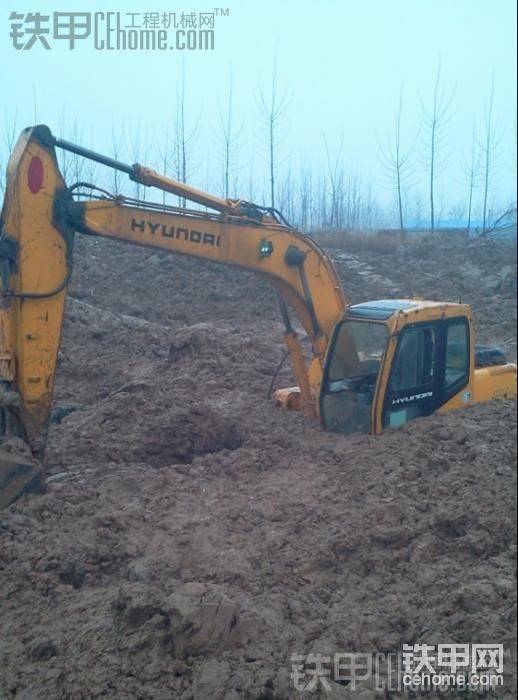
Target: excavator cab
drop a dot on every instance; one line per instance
(392, 361)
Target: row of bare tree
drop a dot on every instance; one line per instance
(399, 161)
(336, 198)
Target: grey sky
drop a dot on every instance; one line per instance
(342, 64)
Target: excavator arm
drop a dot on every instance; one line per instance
(39, 220)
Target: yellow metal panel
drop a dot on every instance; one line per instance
(30, 320)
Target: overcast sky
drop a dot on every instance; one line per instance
(341, 63)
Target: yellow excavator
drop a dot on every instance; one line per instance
(374, 365)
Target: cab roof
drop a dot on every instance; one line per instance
(383, 309)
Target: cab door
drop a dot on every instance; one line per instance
(430, 366)
(351, 375)
(412, 387)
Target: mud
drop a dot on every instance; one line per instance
(192, 538)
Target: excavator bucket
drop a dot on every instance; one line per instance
(35, 265)
(19, 473)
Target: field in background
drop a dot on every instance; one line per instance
(389, 240)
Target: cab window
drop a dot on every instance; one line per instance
(351, 376)
(357, 350)
(412, 387)
(456, 356)
(415, 361)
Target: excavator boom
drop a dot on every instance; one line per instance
(374, 365)
(39, 219)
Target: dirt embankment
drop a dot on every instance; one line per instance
(480, 272)
(192, 537)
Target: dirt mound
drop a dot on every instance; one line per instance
(480, 272)
(142, 421)
(201, 581)
(192, 538)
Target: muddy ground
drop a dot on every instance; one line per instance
(192, 537)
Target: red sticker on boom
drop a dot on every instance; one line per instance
(35, 174)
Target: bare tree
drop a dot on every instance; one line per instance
(396, 161)
(305, 218)
(64, 157)
(9, 140)
(77, 162)
(418, 209)
(229, 137)
(165, 158)
(472, 169)
(321, 217)
(488, 146)
(370, 214)
(185, 138)
(354, 201)
(287, 193)
(335, 173)
(136, 150)
(252, 181)
(91, 170)
(116, 149)
(507, 218)
(273, 108)
(435, 119)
